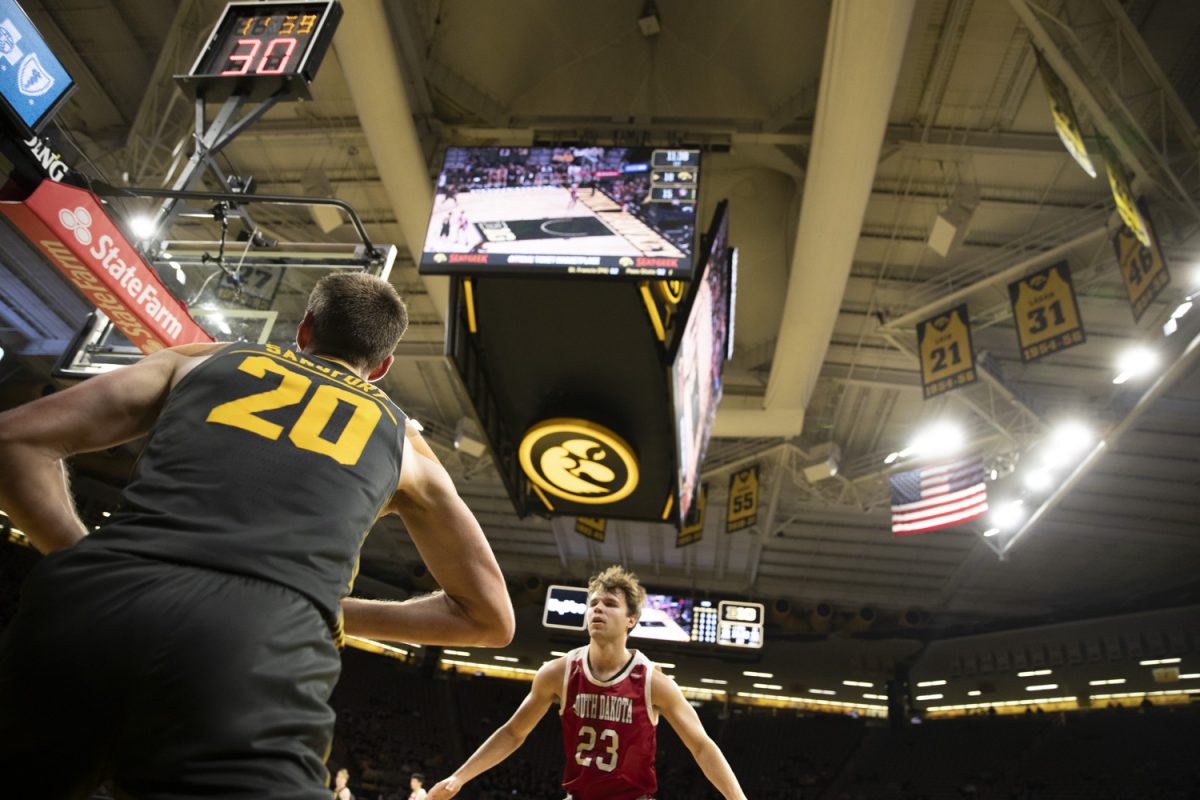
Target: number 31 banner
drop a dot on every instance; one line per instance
(1045, 312)
(947, 358)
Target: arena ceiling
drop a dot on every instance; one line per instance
(774, 90)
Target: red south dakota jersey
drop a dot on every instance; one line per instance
(608, 731)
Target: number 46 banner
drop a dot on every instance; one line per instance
(1045, 312)
(947, 358)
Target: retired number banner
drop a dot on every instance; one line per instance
(947, 357)
(1066, 121)
(692, 530)
(1127, 205)
(591, 527)
(1143, 269)
(1046, 312)
(743, 500)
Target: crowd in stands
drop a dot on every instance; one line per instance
(394, 721)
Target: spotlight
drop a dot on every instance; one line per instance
(1038, 480)
(1135, 362)
(1067, 441)
(991, 532)
(142, 226)
(1007, 515)
(939, 439)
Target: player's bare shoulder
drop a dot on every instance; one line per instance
(548, 682)
(186, 357)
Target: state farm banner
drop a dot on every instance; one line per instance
(74, 232)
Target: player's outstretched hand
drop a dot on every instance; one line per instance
(445, 789)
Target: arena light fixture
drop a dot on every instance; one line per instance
(1007, 515)
(974, 693)
(863, 684)
(142, 226)
(1067, 441)
(923, 697)
(557, 653)
(923, 684)
(665, 665)
(991, 532)
(772, 686)
(714, 681)
(508, 659)
(750, 674)
(1041, 687)
(1187, 676)
(1038, 480)
(462, 653)
(943, 438)
(1136, 362)
(1154, 662)
(1107, 682)
(870, 696)
(822, 691)
(1033, 673)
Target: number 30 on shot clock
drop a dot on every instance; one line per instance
(260, 49)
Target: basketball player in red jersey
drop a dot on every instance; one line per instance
(609, 699)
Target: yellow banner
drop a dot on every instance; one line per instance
(591, 527)
(693, 527)
(743, 500)
(947, 357)
(1143, 269)
(1045, 312)
(1122, 193)
(1066, 121)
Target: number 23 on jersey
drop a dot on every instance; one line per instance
(306, 432)
(585, 751)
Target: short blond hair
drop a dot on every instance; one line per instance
(618, 580)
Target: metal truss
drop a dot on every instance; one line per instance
(1100, 56)
(157, 143)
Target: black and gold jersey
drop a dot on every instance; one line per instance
(265, 462)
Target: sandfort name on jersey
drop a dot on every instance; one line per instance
(604, 707)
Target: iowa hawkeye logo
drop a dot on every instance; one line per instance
(579, 461)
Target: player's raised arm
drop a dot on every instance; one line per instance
(473, 607)
(508, 737)
(101, 412)
(675, 708)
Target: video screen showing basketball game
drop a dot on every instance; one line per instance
(703, 349)
(609, 211)
(665, 618)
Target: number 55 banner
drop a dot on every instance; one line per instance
(1045, 312)
(947, 357)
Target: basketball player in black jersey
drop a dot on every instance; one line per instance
(188, 648)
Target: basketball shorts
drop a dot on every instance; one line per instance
(167, 681)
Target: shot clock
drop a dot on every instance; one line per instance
(259, 49)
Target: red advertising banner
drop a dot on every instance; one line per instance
(74, 232)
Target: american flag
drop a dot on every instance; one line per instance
(938, 496)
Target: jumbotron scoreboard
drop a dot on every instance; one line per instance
(668, 618)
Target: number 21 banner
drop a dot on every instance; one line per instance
(947, 357)
(1045, 312)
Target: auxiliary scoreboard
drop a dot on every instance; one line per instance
(669, 618)
(740, 625)
(260, 49)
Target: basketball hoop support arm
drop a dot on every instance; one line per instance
(174, 195)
